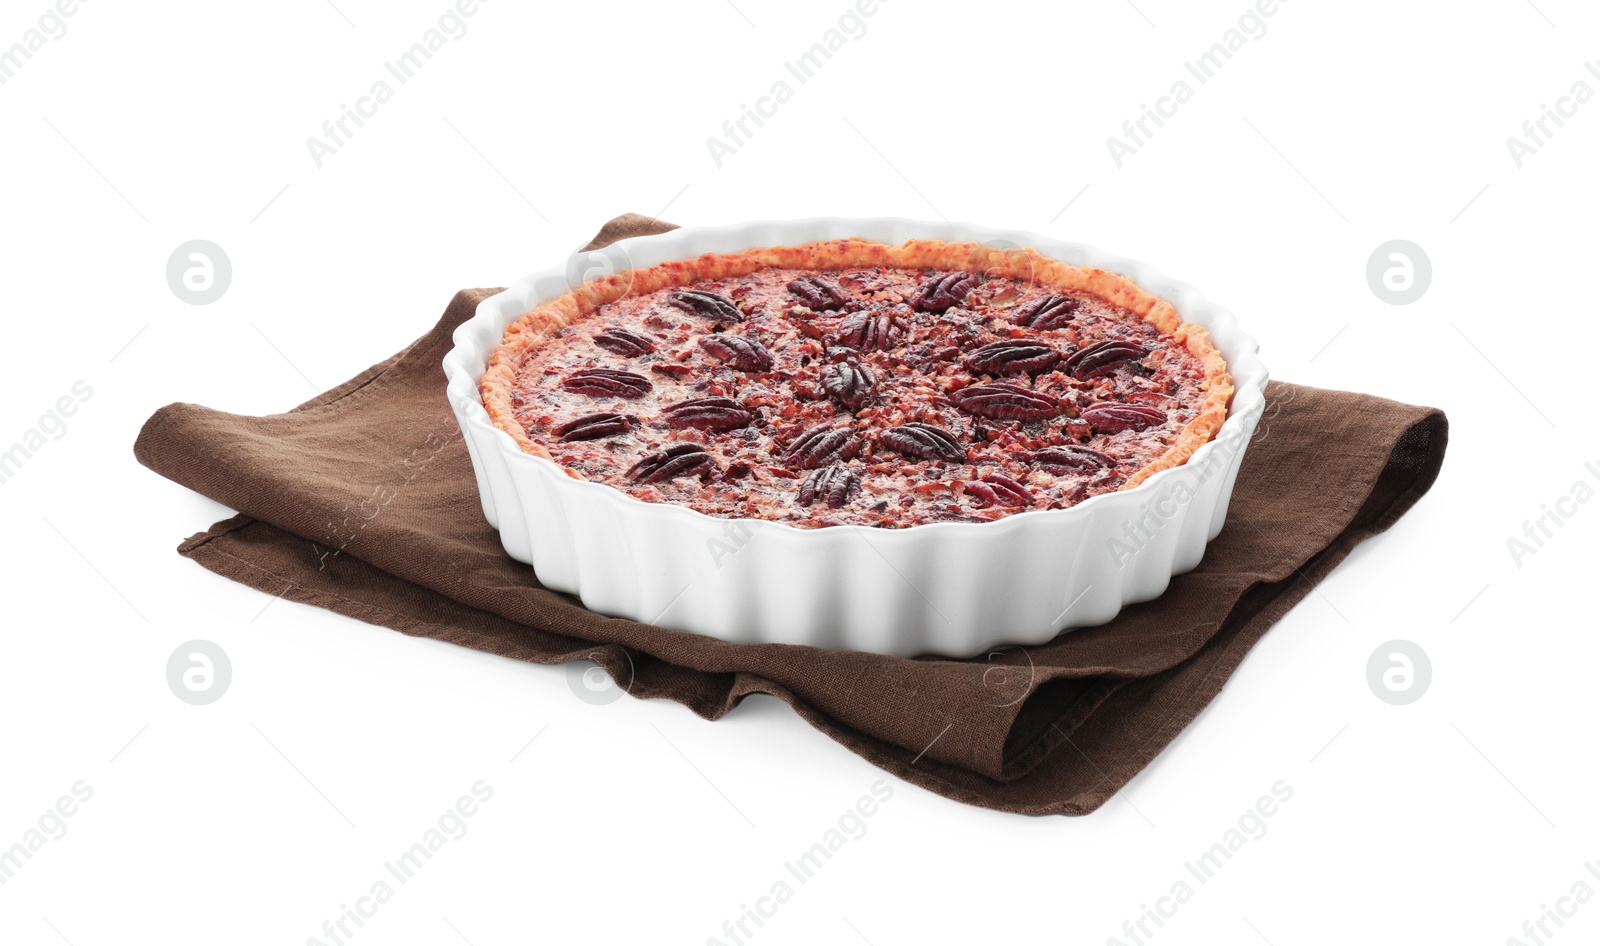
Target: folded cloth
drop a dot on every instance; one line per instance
(363, 501)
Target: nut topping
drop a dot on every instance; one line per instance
(607, 382)
(1003, 400)
(1101, 358)
(871, 394)
(850, 383)
(742, 351)
(823, 444)
(834, 485)
(707, 413)
(625, 343)
(593, 427)
(1013, 356)
(866, 330)
(680, 459)
(816, 293)
(1071, 458)
(706, 304)
(996, 490)
(924, 442)
(943, 292)
(1115, 418)
(1046, 313)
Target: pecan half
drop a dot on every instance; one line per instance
(850, 383)
(672, 369)
(607, 382)
(1046, 312)
(742, 351)
(707, 304)
(625, 343)
(680, 459)
(834, 485)
(867, 330)
(592, 427)
(1071, 458)
(996, 490)
(707, 413)
(924, 441)
(822, 444)
(1013, 356)
(1101, 358)
(1114, 418)
(942, 292)
(816, 293)
(1005, 401)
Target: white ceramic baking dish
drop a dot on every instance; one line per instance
(950, 588)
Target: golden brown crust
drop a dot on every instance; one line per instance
(528, 331)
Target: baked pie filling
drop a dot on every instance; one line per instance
(852, 382)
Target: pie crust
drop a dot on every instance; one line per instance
(1191, 383)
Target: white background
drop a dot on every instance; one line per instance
(251, 820)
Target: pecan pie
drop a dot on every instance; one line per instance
(854, 382)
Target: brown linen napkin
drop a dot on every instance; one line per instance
(363, 501)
